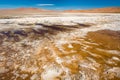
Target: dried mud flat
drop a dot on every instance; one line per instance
(64, 47)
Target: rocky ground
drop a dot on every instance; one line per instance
(60, 47)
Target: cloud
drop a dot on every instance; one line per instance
(45, 4)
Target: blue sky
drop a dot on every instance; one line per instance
(59, 4)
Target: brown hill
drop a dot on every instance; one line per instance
(23, 11)
(98, 10)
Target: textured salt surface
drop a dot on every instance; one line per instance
(50, 59)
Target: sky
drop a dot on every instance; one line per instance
(59, 4)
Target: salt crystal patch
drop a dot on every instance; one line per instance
(38, 27)
(58, 60)
(70, 46)
(116, 58)
(51, 74)
(110, 51)
(110, 61)
(32, 69)
(3, 70)
(115, 70)
(91, 65)
(45, 47)
(34, 77)
(88, 66)
(23, 76)
(69, 23)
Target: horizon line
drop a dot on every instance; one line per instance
(61, 9)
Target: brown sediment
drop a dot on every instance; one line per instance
(107, 38)
(88, 56)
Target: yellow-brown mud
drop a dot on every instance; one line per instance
(92, 56)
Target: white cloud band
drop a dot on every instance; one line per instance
(45, 4)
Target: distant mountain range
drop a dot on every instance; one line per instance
(38, 10)
(23, 11)
(98, 10)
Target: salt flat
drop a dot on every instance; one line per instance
(60, 47)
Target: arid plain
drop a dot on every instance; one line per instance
(60, 46)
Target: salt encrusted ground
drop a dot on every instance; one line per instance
(60, 47)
